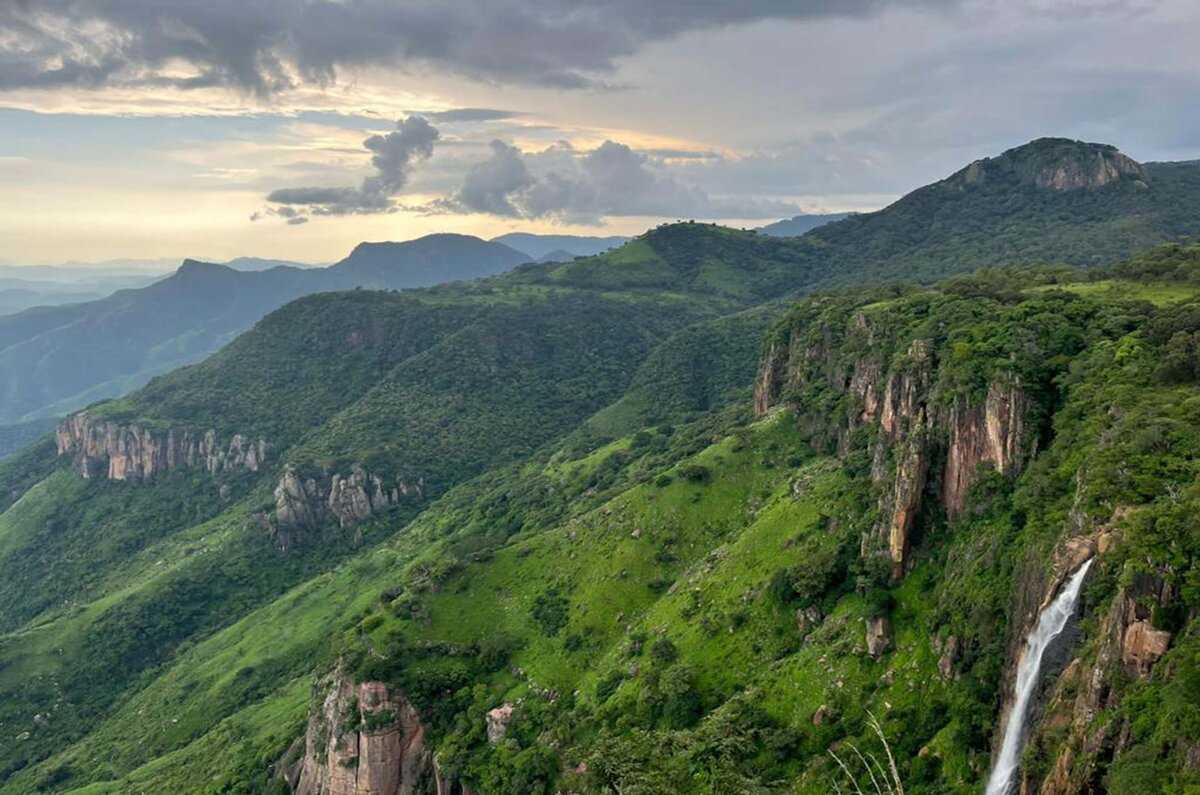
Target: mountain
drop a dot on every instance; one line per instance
(678, 517)
(260, 264)
(1051, 200)
(539, 246)
(16, 437)
(799, 224)
(16, 296)
(56, 359)
(25, 287)
(444, 257)
(557, 255)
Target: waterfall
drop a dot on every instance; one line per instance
(1050, 625)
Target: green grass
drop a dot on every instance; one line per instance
(1157, 293)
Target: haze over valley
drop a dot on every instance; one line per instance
(528, 397)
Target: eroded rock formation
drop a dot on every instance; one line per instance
(1055, 164)
(921, 445)
(365, 739)
(346, 499)
(102, 448)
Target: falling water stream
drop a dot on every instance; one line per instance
(1050, 625)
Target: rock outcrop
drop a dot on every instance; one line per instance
(497, 722)
(993, 433)
(921, 445)
(1055, 164)
(364, 739)
(102, 448)
(879, 636)
(1126, 645)
(1141, 647)
(305, 503)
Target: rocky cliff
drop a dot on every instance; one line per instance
(103, 448)
(1056, 164)
(1074, 728)
(307, 502)
(923, 441)
(364, 738)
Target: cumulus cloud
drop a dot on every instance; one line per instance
(564, 184)
(393, 156)
(267, 46)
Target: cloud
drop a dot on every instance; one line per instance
(269, 46)
(393, 156)
(471, 114)
(563, 184)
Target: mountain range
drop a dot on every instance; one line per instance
(799, 224)
(689, 515)
(539, 247)
(55, 359)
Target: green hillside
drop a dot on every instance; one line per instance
(674, 518)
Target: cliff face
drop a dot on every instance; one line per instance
(1056, 164)
(102, 448)
(305, 503)
(365, 739)
(1126, 648)
(922, 444)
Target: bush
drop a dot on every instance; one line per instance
(550, 611)
(608, 685)
(664, 651)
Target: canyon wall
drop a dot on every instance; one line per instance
(923, 442)
(106, 449)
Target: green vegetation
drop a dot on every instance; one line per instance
(671, 590)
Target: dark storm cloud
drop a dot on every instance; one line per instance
(393, 156)
(265, 46)
(564, 184)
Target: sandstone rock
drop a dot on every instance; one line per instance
(1142, 646)
(366, 739)
(915, 430)
(822, 715)
(497, 722)
(347, 499)
(992, 433)
(879, 636)
(103, 448)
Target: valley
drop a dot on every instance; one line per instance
(684, 515)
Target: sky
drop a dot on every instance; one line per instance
(297, 128)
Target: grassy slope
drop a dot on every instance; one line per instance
(223, 683)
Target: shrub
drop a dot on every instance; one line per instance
(608, 685)
(664, 651)
(550, 611)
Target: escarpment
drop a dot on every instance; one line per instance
(103, 448)
(364, 738)
(926, 440)
(307, 502)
